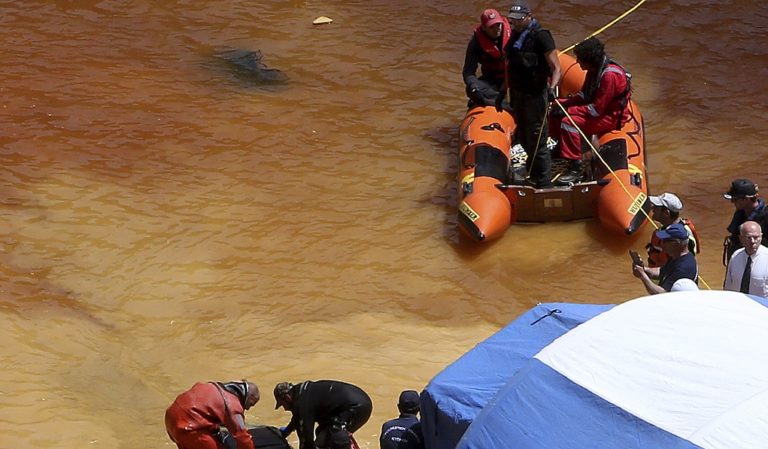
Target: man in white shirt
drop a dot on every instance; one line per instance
(748, 267)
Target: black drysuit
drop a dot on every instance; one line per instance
(336, 407)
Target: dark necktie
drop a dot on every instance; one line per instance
(745, 277)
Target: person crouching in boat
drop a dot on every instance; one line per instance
(681, 263)
(602, 105)
(193, 420)
(486, 49)
(665, 210)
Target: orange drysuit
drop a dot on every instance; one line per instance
(195, 416)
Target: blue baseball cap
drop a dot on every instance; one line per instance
(674, 231)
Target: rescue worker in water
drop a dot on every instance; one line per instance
(193, 420)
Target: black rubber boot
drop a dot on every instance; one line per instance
(573, 175)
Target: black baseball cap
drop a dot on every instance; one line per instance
(741, 188)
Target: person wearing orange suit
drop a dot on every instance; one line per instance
(486, 49)
(193, 420)
(602, 105)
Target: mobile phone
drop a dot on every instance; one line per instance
(636, 258)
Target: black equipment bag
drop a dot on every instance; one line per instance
(264, 437)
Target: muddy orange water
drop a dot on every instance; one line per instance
(164, 220)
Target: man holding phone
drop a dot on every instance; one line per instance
(681, 264)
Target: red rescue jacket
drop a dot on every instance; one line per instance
(605, 93)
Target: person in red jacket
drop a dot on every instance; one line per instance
(193, 420)
(486, 49)
(602, 105)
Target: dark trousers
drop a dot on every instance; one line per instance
(529, 110)
(335, 434)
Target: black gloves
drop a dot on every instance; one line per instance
(556, 111)
(551, 95)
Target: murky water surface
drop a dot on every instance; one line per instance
(167, 219)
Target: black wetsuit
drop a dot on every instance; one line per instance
(336, 407)
(528, 81)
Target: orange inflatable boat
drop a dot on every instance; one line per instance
(615, 189)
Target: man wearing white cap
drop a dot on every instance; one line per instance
(665, 209)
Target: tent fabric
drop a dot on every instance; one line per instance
(456, 395)
(677, 370)
(567, 416)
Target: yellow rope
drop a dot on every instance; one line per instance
(610, 24)
(594, 151)
(616, 177)
(544, 122)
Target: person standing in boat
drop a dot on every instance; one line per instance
(665, 210)
(193, 420)
(602, 105)
(338, 408)
(486, 49)
(749, 207)
(681, 264)
(533, 71)
(403, 432)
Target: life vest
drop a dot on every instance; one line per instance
(619, 102)
(528, 69)
(657, 257)
(492, 63)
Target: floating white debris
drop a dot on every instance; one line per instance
(322, 20)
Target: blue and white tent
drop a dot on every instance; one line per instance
(679, 370)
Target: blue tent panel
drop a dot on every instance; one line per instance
(541, 409)
(456, 395)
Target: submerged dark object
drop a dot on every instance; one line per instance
(264, 437)
(248, 65)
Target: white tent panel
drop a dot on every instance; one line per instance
(693, 363)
